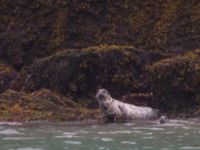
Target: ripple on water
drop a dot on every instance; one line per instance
(11, 123)
(103, 148)
(73, 142)
(19, 138)
(147, 137)
(29, 148)
(68, 135)
(10, 132)
(169, 132)
(137, 131)
(148, 128)
(106, 139)
(190, 148)
(147, 147)
(128, 142)
(116, 132)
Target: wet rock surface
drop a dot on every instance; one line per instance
(42, 105)
(146, 52)
(175, 82)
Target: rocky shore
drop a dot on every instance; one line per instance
(55, 55)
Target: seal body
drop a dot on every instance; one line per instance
(115, 110)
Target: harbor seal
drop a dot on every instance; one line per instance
(115, 110)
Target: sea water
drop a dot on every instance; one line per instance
(175, 135)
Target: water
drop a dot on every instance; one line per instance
(176, 135)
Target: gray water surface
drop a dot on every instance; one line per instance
(175, 135)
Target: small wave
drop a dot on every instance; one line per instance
(148, 137)
(73, 142)
(147, 147)
(148, 133)
(29, 148)
(10, 132)
(101, 148)
(70, 133)
(169, 132)
(82, 132)
(128, 142)
(11, 123)
(19, 138)
(189, 148)
(149, 128)
(116, 132)
(137, 131)
(67, 136)
(106, 139)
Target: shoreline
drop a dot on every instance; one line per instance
(86, 122)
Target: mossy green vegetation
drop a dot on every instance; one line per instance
(74, 47)
(79, 73)
(8, 77)
(34, 29)
(176, 83)
(41, 105)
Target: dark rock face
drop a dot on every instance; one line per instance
(34, 29)
(80, 73)
(175, 83)
(53, 44)
(40, 105)
(8, 78)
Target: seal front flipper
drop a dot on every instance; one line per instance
(109, 118)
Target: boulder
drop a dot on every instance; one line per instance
(175, 83)
(79, 73)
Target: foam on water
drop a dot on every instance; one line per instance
(11, 123)
(115, 132)
(104, 139)
(10, 132)
(190, 148)
(148, 137)
(67, 136)
(128, 142)
(73, 142)
(19, 138)
(28, 148)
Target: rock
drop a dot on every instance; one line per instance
(41, 105)
(78, 73)
(175, 83)
(34, 29)
(9, 78)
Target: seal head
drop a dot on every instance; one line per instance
(102, 95)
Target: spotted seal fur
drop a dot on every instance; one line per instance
(115, 110)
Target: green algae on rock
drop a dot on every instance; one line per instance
(41, 105)
(34, 29)
(8, 77)
(175, 83)
(78, 73)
